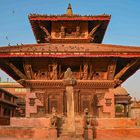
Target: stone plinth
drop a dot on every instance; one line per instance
(29, 122)
(24, 132)
(117, 133)
(118, 128)
(53, 133)
(113, 122)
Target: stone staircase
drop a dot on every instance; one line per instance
(63, 133)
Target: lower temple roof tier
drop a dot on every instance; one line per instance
(69, 50)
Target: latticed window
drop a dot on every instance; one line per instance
(32, 102)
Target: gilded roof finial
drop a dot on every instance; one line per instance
(69, 10)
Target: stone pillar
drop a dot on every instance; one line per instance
(69, 83)
(70, 108)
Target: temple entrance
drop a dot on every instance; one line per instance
(55, 101)
(87, 100)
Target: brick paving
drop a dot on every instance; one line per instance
(10, 138)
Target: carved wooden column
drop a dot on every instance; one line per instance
(69, 82)
(85, 76)
(54, 71)
(1, 111)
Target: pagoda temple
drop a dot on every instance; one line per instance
(75, 42)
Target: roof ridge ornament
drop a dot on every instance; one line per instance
(69, 10)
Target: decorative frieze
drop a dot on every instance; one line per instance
(58, 84)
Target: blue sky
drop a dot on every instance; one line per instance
(124, 28)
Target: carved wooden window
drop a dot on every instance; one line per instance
(41, 111)
(32, 102)
(108, 102)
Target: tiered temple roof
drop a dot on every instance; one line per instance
(69, 36)
(42, 26)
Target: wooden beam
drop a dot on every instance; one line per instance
(45, 30)
(128, 66)
(16, 70)
(28, 71)
(94, 30)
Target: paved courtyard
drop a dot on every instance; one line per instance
(9, 138)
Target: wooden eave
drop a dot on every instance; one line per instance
(70, 50)
(65, 17)
(10, 94)
(10, 85)
(85, 50)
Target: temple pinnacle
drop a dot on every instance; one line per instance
(69, 10)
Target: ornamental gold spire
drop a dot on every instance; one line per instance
(69, 10)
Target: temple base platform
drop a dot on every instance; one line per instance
(100, 129)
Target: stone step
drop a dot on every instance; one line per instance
(70, 138)
(79, 130)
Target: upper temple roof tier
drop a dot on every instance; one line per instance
(69, 27)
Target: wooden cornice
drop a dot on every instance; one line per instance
(81, 84)
(69, 18)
